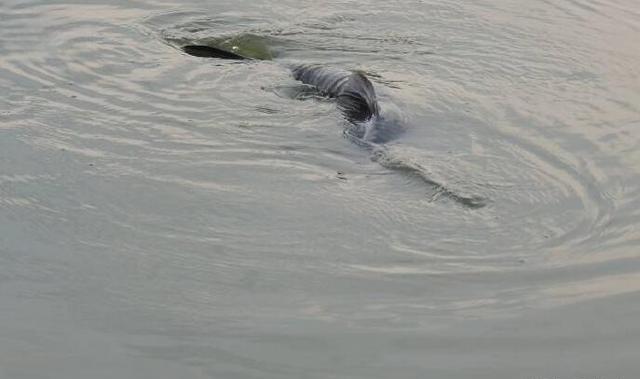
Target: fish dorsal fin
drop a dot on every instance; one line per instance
(204, 51)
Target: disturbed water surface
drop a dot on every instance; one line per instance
(166, 216)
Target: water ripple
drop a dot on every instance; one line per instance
(185, 191)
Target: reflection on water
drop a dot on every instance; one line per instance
(170, 216)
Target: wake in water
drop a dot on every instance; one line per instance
(365, 135)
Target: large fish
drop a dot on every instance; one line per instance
(353, 91)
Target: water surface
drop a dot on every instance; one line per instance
(166, 216)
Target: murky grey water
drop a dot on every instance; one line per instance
(165, 216)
